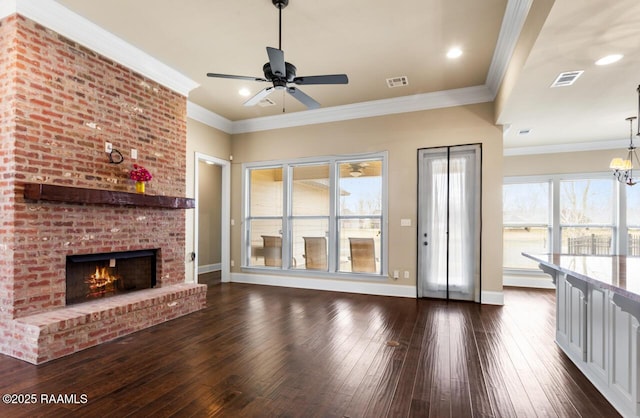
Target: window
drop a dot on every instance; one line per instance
(527, 222)
(633, 221)
(320, 215)
(578, 214)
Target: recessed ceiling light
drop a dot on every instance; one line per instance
(454, 52)
(244, 92)
(609, 59)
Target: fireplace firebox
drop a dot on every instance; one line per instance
(95, 276)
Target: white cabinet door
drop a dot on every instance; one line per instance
(597, 330)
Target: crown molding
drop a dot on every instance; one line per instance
(620, 144)
(73, 26)
(404, 104)
(209, 118)
(515, 16)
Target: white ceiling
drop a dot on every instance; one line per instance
(371, 40)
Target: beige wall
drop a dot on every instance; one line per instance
(212, 142)
(560, 163)
(401, 135)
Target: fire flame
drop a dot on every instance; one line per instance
(101, 282)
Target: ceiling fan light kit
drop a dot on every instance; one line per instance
(281, 73)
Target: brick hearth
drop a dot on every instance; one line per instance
(60, 103)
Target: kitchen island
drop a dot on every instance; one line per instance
(597, 321)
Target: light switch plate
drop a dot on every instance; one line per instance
(405, 222)
(134, 154)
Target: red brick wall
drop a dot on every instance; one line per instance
(69, 102)
(7, 166)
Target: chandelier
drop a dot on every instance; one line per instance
(623, 167)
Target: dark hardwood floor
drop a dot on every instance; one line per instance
(267, 351)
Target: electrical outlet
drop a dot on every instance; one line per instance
(406, 274)
(108, 147)
(134, 154)
(396, 274)
(233, 263)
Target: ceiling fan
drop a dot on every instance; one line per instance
(281, 73)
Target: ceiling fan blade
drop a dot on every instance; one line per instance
(322, 79)
(276, 60)
(235, 77)
(261, 95)
(303, 98)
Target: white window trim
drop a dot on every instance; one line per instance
(333, 161)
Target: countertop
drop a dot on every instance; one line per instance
(618, 273)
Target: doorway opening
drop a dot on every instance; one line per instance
(212, 218)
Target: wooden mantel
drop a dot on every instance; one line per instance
(66, 194)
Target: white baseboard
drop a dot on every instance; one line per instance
(492, 298)
(346, 286)
(208, 268)
(536, 282)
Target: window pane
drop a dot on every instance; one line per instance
(266, 192)
(589, 201)
(526, 203)
(634, 242)
(310, 190)
(359, 246)
(360, 188)
(589, 241)
(266, 243)
(309, 244)
(633, 206)
(523, 239)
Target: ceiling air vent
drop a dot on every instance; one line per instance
(266, 102)
(566, 79)
(397, 81)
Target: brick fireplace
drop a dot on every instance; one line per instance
(60, 103)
